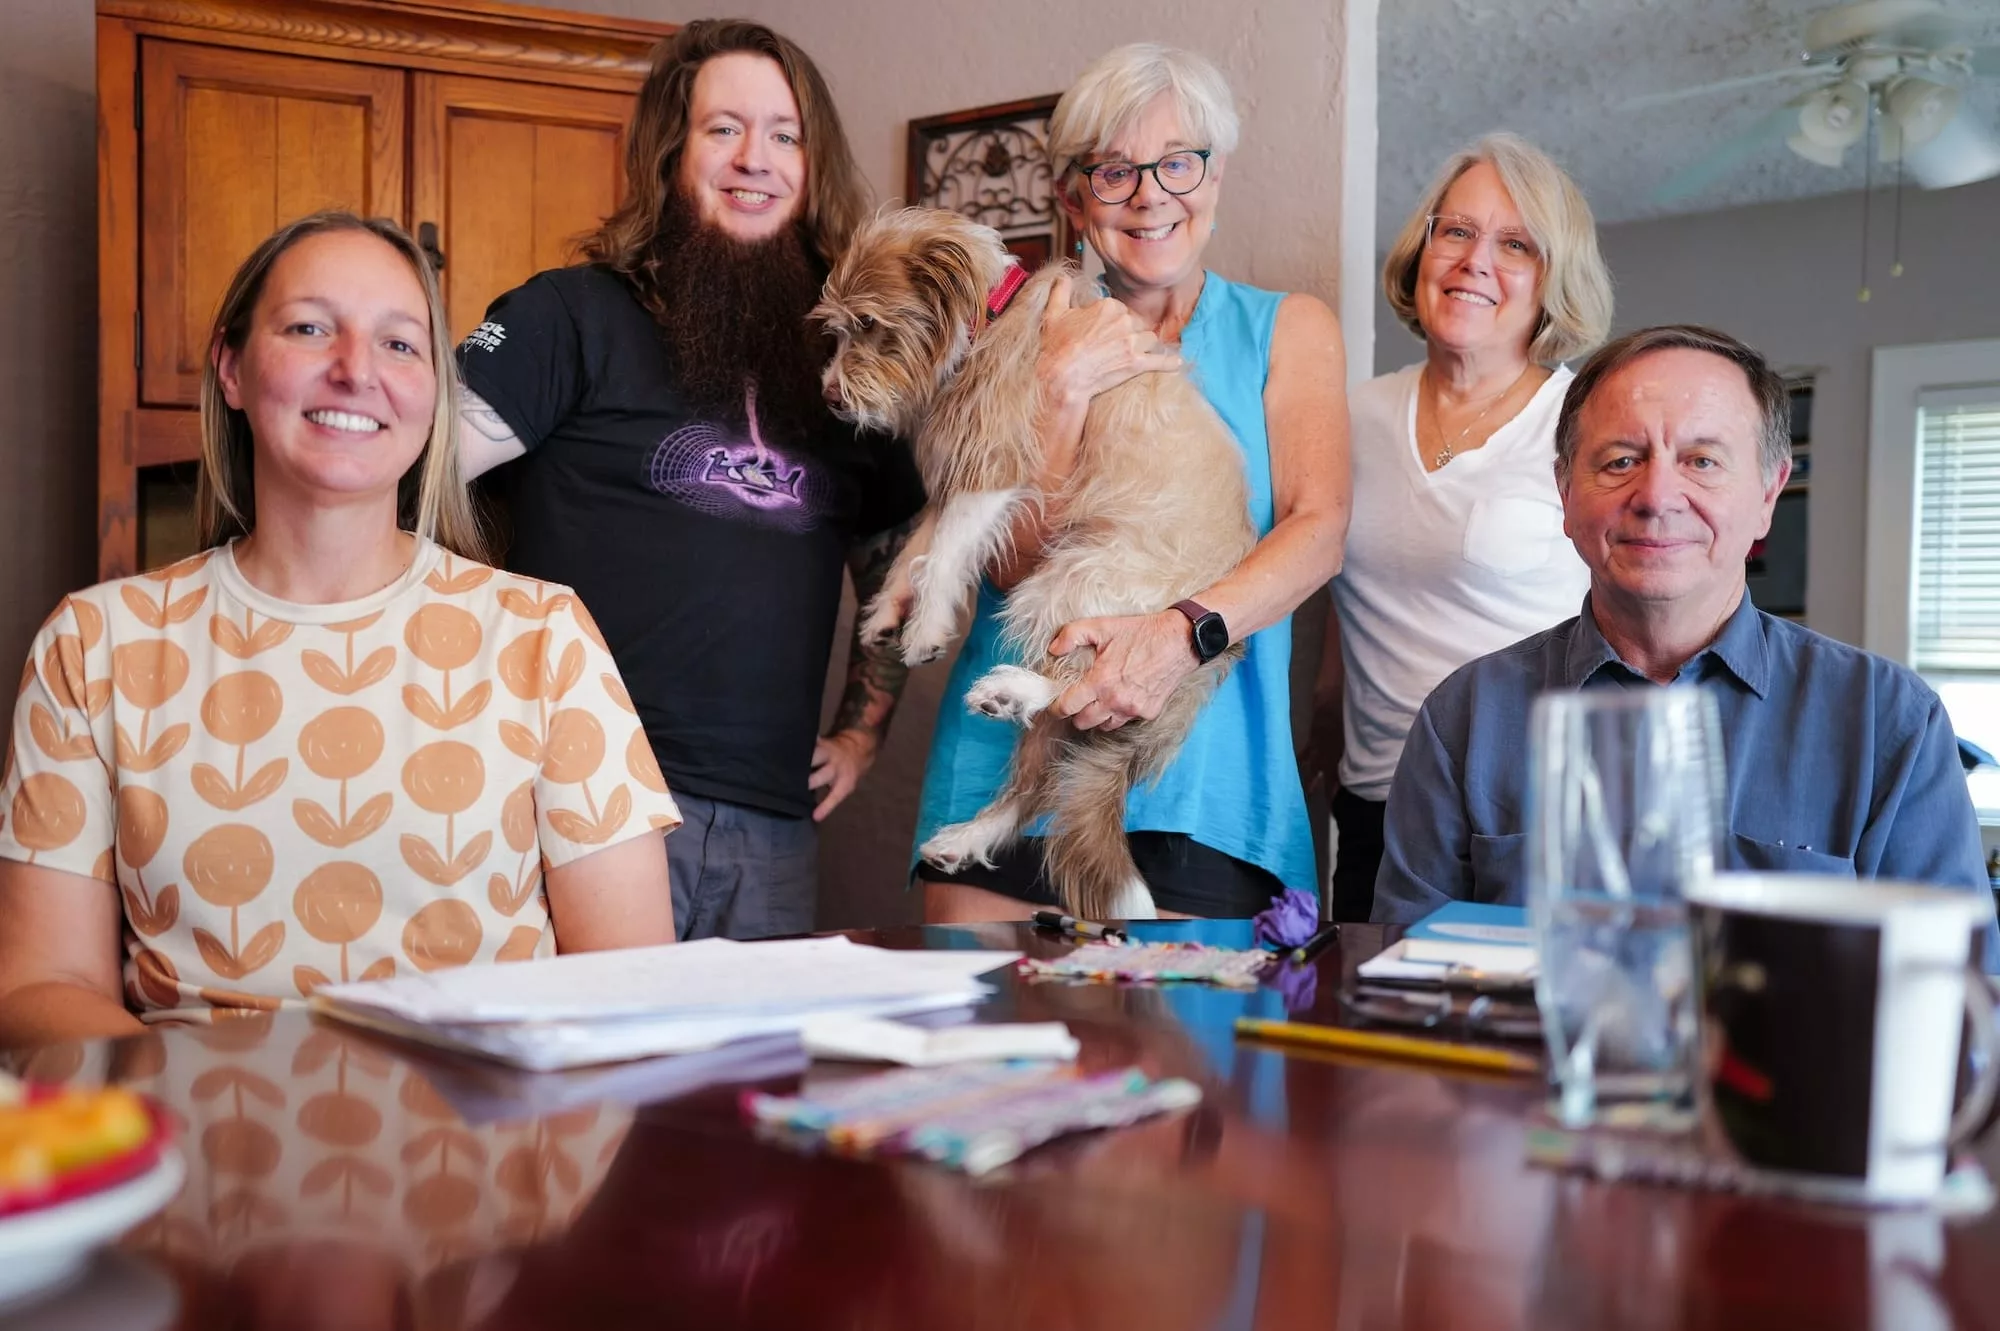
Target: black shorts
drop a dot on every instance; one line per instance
(1184, 875)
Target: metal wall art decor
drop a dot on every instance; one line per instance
(991, 164)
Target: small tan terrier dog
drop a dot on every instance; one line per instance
(1156, 510)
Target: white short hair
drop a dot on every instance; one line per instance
(1116, 90)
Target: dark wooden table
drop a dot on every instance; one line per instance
(342, 1182)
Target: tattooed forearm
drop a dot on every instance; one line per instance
(875, 674)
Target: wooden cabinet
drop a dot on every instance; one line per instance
(510, 174)
(496, 132)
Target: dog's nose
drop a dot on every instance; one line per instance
(831, 392)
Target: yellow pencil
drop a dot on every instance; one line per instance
(1390, 1046)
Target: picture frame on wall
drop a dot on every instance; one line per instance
(991, 164)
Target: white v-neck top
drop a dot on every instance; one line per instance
(1442, 566)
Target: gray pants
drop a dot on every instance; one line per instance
(740, 872)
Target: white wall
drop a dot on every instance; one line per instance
(1784, 277)
(48, 312)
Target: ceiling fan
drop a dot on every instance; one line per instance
(1897, 67)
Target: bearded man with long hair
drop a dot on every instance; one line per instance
(679, 467)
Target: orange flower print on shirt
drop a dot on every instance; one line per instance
(337, 903)
(240, 709)
(575, 752)
(443, 934)
(517, 825)
(147, 674)
(446, 638)
(47, 813)
(445, 777)
(339, 745)
(142, 826)
(349, 678)
(228, 867)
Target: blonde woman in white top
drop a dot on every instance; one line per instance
(1456, 546)
(334, 746)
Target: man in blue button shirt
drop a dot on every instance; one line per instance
(1671, 450)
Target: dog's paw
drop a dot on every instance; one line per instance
(1010, 693)
(880, 624)
(959, 845)
(925, 642)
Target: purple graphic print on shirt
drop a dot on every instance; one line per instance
(713, 471)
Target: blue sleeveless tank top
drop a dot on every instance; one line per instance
(1235, 785)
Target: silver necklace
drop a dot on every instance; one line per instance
(1448, 448)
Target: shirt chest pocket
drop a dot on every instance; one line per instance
(1499, 869)
(1773, 856)
(1512, 534)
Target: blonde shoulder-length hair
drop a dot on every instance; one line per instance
(431, 499)
(1576, 286)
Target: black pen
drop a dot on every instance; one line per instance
(1317, 944)
(1069, 924)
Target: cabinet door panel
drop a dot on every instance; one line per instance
(511, 174)
(235, 143)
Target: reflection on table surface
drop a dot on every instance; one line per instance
(340, 1181)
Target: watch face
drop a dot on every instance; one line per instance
(1211, 636)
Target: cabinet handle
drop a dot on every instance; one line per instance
(427, 241)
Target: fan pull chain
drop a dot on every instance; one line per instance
(1867, 189)
(1896, 245)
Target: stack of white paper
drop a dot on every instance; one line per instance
(602, 1007)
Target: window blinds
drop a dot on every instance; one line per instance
(1955, 600)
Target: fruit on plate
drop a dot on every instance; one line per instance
(57, 1141)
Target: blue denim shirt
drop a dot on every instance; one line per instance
(1838, 762)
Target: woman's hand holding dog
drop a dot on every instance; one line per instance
(1140, 658)
(1085, 351)
(1094, 348)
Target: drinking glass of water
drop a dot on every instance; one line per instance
(1624, 811)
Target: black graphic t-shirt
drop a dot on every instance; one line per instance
(710, 554)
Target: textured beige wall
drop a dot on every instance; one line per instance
(48, 312)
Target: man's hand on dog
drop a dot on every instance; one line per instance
(839, 762)
(1140, 658)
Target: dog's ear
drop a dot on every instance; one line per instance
(951, 270)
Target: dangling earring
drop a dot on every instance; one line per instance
(1211, 228)
(1079, 248)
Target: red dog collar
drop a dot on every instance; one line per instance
(1002, 294)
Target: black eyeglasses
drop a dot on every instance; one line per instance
(1177, 173)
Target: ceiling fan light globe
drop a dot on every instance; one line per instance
(1962, 151)
(1835, 116)
(1814, 151)
(1920, 108)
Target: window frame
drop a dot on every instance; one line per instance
(1900, 376)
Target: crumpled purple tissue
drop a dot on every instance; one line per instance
(1290, 921)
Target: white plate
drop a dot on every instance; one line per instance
(40, 1249)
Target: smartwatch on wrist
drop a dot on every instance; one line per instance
(1210, 634)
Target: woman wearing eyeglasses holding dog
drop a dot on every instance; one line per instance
(1139, 145)
(1457, 545)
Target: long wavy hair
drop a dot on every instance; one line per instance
(431, 498)
(836, 194)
